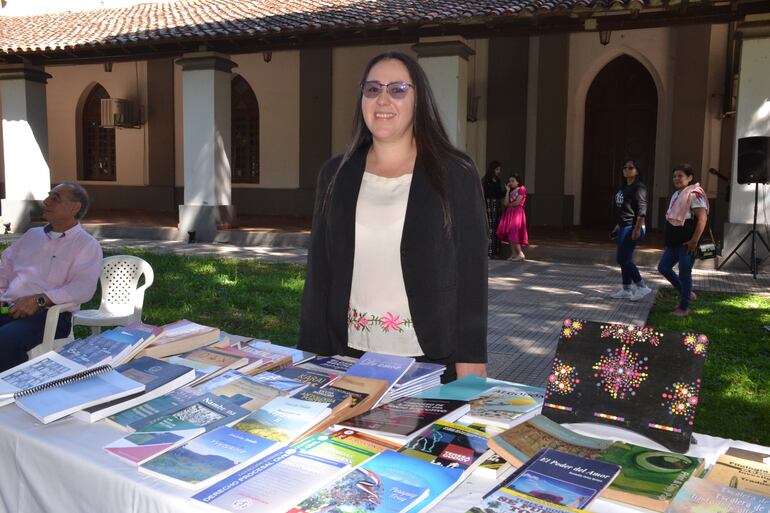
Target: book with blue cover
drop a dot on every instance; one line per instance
(163, 431)
(288, 385)
(55, 403)
(463, 389)
(333, 364)
(562, 478)
(308, 376)
(158, 377)
(106, 347)
(274, 483)
(388, 483)
(297, 355)
(125, 420)
(207, 458)
(283, 417)
(388, 368)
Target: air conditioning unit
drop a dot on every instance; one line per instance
(117, 113)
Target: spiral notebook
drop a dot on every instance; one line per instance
(44, 369)
(61, 397)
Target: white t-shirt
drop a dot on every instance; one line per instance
(378, 315)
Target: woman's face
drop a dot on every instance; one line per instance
(389, 119)
(629, 170)
(512, 182)
(498, 170)
(681, 180)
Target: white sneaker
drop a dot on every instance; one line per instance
(622, 294)
(640, 292)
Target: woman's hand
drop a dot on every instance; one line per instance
(464, 369)
(692, 246)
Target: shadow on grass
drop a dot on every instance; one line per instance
(735, 396)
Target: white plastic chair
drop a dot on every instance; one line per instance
(122, 298)
(51, 321)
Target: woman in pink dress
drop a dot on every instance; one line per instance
(513, 226)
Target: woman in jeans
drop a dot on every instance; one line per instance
(685, 221)
(631, 210)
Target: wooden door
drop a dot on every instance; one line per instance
(621, 116)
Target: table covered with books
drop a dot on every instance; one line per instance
(61, 467)
(377, 435)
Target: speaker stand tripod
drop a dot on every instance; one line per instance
(754, 234)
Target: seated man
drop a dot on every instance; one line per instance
(54, 264)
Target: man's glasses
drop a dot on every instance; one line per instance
(396, 90)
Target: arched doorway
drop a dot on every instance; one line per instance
(621, 116)
(244, 132)
(98, 144)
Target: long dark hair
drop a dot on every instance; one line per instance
(490, 174)
(430, 136)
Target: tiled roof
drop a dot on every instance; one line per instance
(198, 20)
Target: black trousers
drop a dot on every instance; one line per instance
(494, 209)
(17, 336)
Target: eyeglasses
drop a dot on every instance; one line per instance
(396, 90)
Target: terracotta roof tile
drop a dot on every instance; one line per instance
(203, 19)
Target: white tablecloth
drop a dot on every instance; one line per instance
(61, 468)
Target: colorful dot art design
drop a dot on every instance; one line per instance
(571, 327)
(696, 344)
(620, 372)
(682, 399)
(563, 378)
(630, 334)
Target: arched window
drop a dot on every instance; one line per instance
(98, 142)
(244, 132)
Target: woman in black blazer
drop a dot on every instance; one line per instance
(401, 163)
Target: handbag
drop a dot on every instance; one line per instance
(709, 249)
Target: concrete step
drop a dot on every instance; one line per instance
(271, 238)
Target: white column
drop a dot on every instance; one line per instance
(25, 143)
(446, 64)
(753, 119)
(206, 125)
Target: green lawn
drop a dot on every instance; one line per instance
(245, 297)
(735, 397)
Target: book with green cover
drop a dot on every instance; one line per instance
(521, 442)
(649, 478)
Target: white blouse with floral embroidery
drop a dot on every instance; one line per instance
(378, 314)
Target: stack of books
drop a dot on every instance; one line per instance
(419, 377)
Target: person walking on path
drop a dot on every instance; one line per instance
(513, 226)
(631, 210)
(686, 219)
(493, 195)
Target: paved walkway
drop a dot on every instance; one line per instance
(527, 300)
